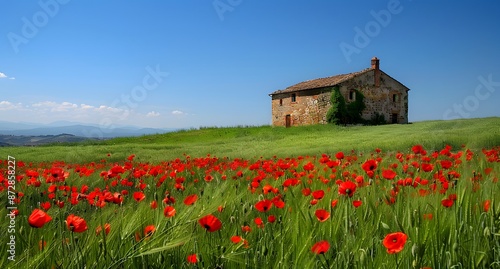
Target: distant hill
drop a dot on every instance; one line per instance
(76, 129)
(268, 141)
(31, 134)
(22, 140)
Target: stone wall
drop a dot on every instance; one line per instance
(390, 99)
(310, 107)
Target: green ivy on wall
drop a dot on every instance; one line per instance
(342, 113)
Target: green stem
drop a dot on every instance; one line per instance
(346, 218)
(326, 261)
(397, 262)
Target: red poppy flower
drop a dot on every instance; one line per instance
(322, 215)
(117, 198)
(139, 196)
(76, 224)
(418, 149)
(236, 239)
(38, 218)
(264, 205)
(488, 170)
(169, 199)
(246, 229)
(258, 221)
(60, 204)
(334, 203)
(321, 247)
(446, 164)
(427, 167)
(447, 202)
(318, 194)
(192, 258)
(486, 205)
(306, 191)
(357, 203)
(309, 166)
(339, 155)
(14, 212)
(169, 211)
(347, 188)
(271, 219)
(388, 174)
(278, 202)
(210, 223)
(107, 228)
(153, 204)
(45, 205)
(149, 230)
(369, 165)
(190, 199)
(291, 182)
(395, 242)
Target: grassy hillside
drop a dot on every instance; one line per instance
(267, 141)
(347, 210)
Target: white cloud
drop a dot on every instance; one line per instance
(86, 107)
(6, 105)
(64, 107)
(71, 107)
(49, 111)
(3, 75)
(153, 114)
(55, 107)
(106, 109)
(47, 104)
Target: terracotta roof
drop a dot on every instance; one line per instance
(321, 82)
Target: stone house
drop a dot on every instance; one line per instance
(308, 102)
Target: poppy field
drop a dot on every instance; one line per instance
(413, 208)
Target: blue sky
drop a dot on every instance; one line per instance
(182, 64)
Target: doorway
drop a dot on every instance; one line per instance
(288, 121)
(394, 118)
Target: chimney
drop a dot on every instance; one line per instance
(376, 71)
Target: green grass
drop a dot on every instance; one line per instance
(267, 141)
(462, 236)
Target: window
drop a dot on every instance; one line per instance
(294, 97)
(395, 98)
(281, 102)
(352, 95)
